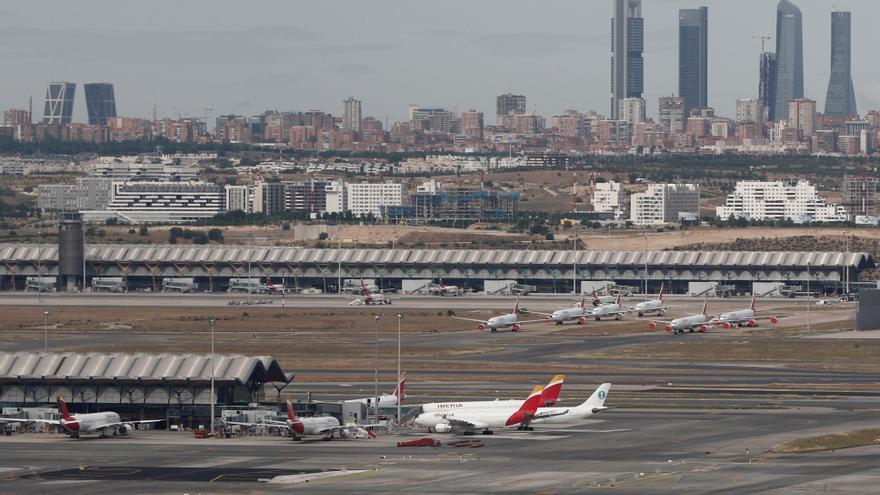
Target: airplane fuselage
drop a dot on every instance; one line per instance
(612, 309)
(560, 316)
(91, 423)
(737, 317)
(688, 323)
(509, 320)
(653, 306)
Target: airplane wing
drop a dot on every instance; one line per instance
(471, 319)
(469, 424)
(549, 414)
(537, 313)
(522, 322)
(120, 423)
(277, 424)
(28, 420)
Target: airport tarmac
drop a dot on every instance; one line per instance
(622, 451)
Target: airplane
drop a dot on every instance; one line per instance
(469, 420)
(578, 312)
(386, 400)
(326, 427)
(688, 323)
(104, 424)
(445, 290)
(549, 396)
(614, 309)
(370, 298)
(509, 320)
(742, 317)
(275, 289)
(599, 300)
(569, 415)
(652, 305)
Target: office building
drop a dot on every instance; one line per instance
(749, 110)
(370, 198)
(672, 114)
(14, 117)
(633, 110)
(351, 114)
(431, 119)
(238, 198)
(58, 108)
(802, 116)
(268, 198)
(693, 57)
(609, 197)
(778, 200)
(309, 195)
(767, 85)
(627, 46)
(508, 105)
(335, 198)
(100, 102)
(86, 193)
(840, 100)
(528, 124)
(160, 202)
(665, 203)
(789, 57)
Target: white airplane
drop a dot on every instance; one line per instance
(599, 300)
(370, 298)
(445, 290)
(326, 427)
(469, 420)
(652, 306)
(509, 320)
(690, 323)
(570, 415)
(386, 400)
(578, 313)
(614, 309)
(742, 318)
(549, 396)
(275, 289)
(104, 424)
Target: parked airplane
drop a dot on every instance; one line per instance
(326, 427)
(469, 420)
(599, 300)
(386, 400)
(275, 289)
(445, 290)
(509, 320)
(690, 323)
(578, 312)
(614, 309)
(370, 298)
(742, 317)
(569, 415)
(549, 396)
(104, 424)
(652, 306)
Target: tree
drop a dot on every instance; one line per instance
(285, 226)
(215, 235)
(323, 236)
(142, 231)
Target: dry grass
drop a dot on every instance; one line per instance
(834, 441)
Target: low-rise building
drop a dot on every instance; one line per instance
(86, 193)
(609, 197)
(370, 197)
(777, 200)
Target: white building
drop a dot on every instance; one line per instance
(609, 197)
(238, 198)
(664, 203)
(336, 198)
(777, 200)
(86, 193)
(160, 202)
(365, 198)
(633, 110)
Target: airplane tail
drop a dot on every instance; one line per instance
(754, 302)
(399, 390)
(291, 414)
(596, 402)
(661, 293)
(617, 301)
(62, 406)
(595, 298)
(516, 307)
(528, 408)
(296, 425)
(550, 394)
(705, 307)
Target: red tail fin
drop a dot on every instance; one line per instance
(661, 292)
(291, 414)
(550, 394)
(399, 390)
(527, 409)
(705, 307)
(516, 307)
(617, 301)
(62, 406)
(754, 303)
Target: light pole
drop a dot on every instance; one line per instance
(211, 322)
(376, 371)
(45, 331)
(809, 298)
(574, 267)
(399, 318)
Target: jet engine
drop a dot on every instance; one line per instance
(481, 327)
(443, 428)
(704, 329)
(774, 319)
(125, 428)
(752, 323)
(516, 327)
(582, 321)
(652, 325)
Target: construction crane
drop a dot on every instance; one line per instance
(763, 40)
(205, 111)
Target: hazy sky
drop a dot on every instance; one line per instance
(245, 57)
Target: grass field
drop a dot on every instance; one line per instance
(833, 441)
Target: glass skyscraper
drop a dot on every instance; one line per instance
(100, 102)
(59, 103)
(840, 100)
(693, 57)
(627, 46)
(789, 57)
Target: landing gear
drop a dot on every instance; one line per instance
(296, 438)
(662, 312)
(468, 432)
(643, 314)
(618, 317)
(525, 428)
(74, 435)
(488, 432)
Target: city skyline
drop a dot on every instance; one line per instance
(567, 61)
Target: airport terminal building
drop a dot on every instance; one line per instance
(214, 267)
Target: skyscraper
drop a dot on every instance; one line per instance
(351, 114)
(767, 85)
(840, 100)
(672, 114)
(100, 102)
(627, 46)
(789, 57)
(59, 103)
(509, 104)
(693, 57)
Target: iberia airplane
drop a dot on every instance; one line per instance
(549, 396)
(469, 420)
(103, 423)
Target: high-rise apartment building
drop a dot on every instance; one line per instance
(509, 104)
(802, 116)
(633, 110)
(472, 124)
(431, 119)
(841, 98)
(693, 57)
(627, 46)
(14, 116)
(59, 103)
(665, 203)
(749, 110)
(789, 57)
(100, 102)
(767, 85)
(351, 114)
(672, 114)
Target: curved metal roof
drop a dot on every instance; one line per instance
(73, 367)
(512, 257)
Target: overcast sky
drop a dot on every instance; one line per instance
(245, 57)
